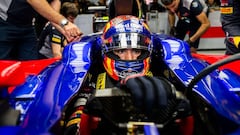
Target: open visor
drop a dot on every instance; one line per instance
(127, 40)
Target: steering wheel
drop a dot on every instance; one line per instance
(118, 113)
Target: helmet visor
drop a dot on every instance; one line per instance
(127, 40)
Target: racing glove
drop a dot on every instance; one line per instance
(149, 92)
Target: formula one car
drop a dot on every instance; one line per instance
(35, 95)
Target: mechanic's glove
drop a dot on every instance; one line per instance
(148, 92)
(173, 31)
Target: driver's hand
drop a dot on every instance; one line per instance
(149, 92)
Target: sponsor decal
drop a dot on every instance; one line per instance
(226, 10)
(194, 4)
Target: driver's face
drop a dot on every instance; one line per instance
(128, 54)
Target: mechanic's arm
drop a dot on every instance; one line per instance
(171, 19)
(56, 4)
(56, 50)
(205, 24)
(70, 30)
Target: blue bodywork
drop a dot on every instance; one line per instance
(43, 97)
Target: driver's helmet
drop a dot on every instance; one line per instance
(126, 32)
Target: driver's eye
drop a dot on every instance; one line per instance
(137, 51)
(119, 51)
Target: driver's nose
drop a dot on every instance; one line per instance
(129, 55)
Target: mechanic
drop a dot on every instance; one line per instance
(230, 19)
(51, 40)
(126, 62)
(192, 17)
(17, 27)
(156, 6)
(137, 8)
(40, 21)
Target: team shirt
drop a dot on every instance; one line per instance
(48, 36)
(17, 12)
(230, 12)
(189, 9)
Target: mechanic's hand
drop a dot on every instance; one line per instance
(190, 43)
(173, 31)
(148, 92)
(72, 32)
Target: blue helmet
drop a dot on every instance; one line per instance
(126, 32)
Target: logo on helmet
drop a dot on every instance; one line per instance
(123, 74)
